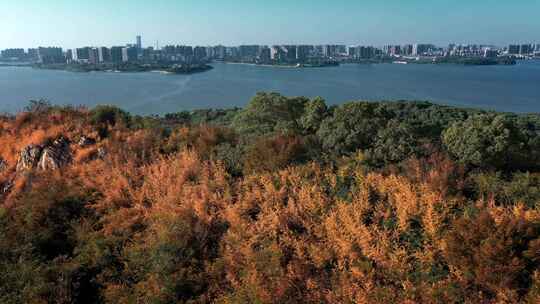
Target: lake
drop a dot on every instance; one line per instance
(503, 88)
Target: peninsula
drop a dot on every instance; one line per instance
(172, 68)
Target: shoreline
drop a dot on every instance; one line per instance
(260, 65)
(171, 70)
(288, 66)
(208, 67)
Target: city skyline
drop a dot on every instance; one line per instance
(302, 55)
(139, 43)
(72, 24)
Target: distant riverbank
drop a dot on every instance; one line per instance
(437, 60)
(472, 61)
(14, 64)
(385, 60)
(172, 68)
(128, 68)
(287, 65)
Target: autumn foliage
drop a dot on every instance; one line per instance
(194, 214)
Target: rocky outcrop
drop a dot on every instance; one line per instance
(101, 153)
(3, 165)
(6, 187)
(48, 157)
(56, 155)
(86, 141)
(29, 157)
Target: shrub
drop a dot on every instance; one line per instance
(274, 154)
(109, 115)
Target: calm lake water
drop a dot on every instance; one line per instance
(503, 88)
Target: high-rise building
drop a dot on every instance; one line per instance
(178, 53)
(265, 54)
(69, 56)
(407, 50)
(116, 54)
(139, 43)
(104, 54)
(352, 51)
(330, 51)
(219, 52)
(421, 49)
(278, 53)
(33, 54)
(125, 57)
(232, 52)
(334, 50)
(415, 51)
(513, 49)
(186, 51)
(341, 49)
(13, 54)
(525, 49)
(318, 50)
(129, 54)
(303, 52)
(391, 50)
(490, 53)
(93, 56)
(248, 52)
(169, 50)
(210, 52)
(148, 53)
(51, 55)
(366, 52)
(83, 54)
(291, 52)
(199, 53)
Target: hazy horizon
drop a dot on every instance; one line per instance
(71, 24)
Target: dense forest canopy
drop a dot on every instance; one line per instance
(287, 200)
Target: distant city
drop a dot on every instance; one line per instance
(260, 54)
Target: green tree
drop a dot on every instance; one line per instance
(270, 113)
(106, 114)
(492, 140)
(480, 140)
(315, 111)
(393, 144)
(352, 126)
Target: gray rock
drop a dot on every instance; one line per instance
(49, 157)
(3, 165)
(6, 187)
(86, 141)
(56, 155)
(101, 153)
(29, 157)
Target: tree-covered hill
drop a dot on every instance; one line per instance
(287, 200)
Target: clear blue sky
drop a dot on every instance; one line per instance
(73, 23)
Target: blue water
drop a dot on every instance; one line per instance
(503, 88)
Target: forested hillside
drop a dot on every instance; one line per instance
(287, 200)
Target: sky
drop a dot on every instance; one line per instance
(75, 23)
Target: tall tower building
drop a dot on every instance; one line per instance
(415, 49)
(116, 54)
(104, 54)
(93, 56)
(139, 43)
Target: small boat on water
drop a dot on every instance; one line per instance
(400, 62)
